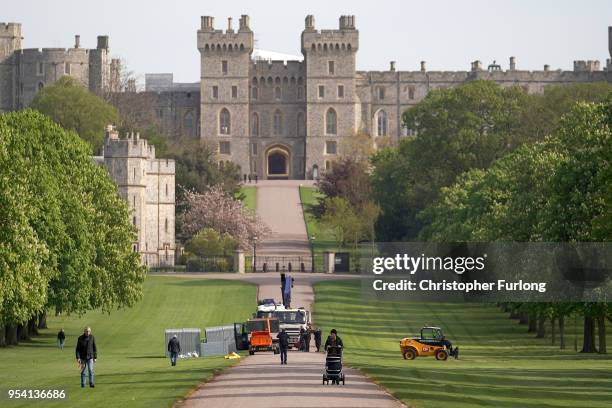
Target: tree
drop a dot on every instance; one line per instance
(458, 129)
(209, 242)
(72, 106)
(220, 211)
(66, 209)
(347, 179)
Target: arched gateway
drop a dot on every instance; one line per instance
(278, 162)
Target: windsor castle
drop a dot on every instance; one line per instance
(277, 118)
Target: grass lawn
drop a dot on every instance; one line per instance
(500, 364)
(250, 196)
(131, 370)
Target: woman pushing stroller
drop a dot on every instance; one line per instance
(334, 343)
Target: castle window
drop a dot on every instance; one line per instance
(381, 122)
(134, 220)
(40, 70)
(277, 93)
(328, 165)
(67, 68)
(340, 91)
(215, 92)
(330, 147)
(300, 92)
(166, 225)
(166, 189)
(224, 67)
(331, 68)
(134, 201)
(134, 173)
(224, 122)
(278, 123)
(321, 91)
(224, 148)
(255, 125)
(411, 92)
(188, 122)
(254, 93)
(380, 92)
(254, 149)
(234, 92)
(330, 122)
(301, 128)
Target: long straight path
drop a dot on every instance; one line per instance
(279, 206)
(260, 381)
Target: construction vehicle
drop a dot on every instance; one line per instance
(266, 308)
(292, 321)
(262, 335)
(431, 343)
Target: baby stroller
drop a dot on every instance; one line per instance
(333, 366)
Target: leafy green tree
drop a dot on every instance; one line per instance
(71, 105)
(68, 211)
(209, 242)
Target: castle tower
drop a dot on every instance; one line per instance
(224, 87)
(99, 71)
(10, 41)
(332, 112)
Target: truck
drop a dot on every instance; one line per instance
(262, 334)
(292, 320)
(267, 307)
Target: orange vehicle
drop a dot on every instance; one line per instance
(431, 343)
(262, 335)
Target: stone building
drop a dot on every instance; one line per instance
(147, 185)
(24, 72)
(287, 118)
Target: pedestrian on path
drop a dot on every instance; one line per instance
(334, 344)
(86, 355)
(61, 338)
(174, 348)
(307, 338)
(256, 177)
(283, 343)
(244, 178)
(249, 178)
(317, 338)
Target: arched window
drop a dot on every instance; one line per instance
(277, 92)
(381, 123)
(188, 123)
(301, 126)
(255, 125)
(331, 122)
(225, 122)
(278, 123)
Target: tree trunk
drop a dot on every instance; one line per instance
(588, 339)
(42, 320)
(2, 336)
(601, 331)
(11, 336)
(562, 332)
(523, 318)
(541, 327)
(553, 331)
(22, 332)
(32, 327)
(532, 324)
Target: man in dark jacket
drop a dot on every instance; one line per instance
(86, 355)
(334, 344)
(317, 337)
(61, 338)
(283, 344)
(174, 348)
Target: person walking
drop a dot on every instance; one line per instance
(283, 344)
(317, 338)
(307, 338)
(249, 178)
(61, 338)
(256, 178)
(174, 348)
(86, 355)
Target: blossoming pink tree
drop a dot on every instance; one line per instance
(220, 211)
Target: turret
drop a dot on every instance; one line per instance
(10, 39)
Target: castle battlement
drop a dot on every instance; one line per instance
(10, 29)
(35, 53)
(277, 67)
